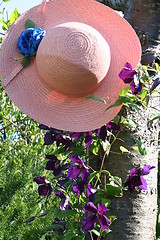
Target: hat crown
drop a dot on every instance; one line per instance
(73, 58)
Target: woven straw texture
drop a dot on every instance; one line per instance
(39, 100)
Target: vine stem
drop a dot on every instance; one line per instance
(103, 161)
(99, 234)
(91, 235)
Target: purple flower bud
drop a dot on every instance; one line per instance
(127, 73)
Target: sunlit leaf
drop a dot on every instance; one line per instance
(97, 98)
(141, 147)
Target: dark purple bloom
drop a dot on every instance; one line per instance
(102, 132)
(136, 85)
(127, 73)
(64, 205)
(91, 192)
(75, 170)
(136, 179)
(88, 139)
(61, 183)
(54, 165)
(78, 187)
(87, 135)
(96, 214)
(65, 140)
(61, 225)
(59, 136)
(76, 134)
(43, 127)
(112, 125)
(29, 219)
(156, 82)
(45, 188)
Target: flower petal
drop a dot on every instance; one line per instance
(90, 207)
(78, 187)
(104, 222)
(40, 180)
(146, 169)
(59, 194)
(43, 190)
(52, 164)
(85, 174)
(75, 158)
(91, 192)
(102, 209)
(112, 125)
(89, 223)
(73, 172)
(88, 139)
(102, 132)
(49, 138)
(144, 184)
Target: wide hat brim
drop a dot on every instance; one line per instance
(36, 99)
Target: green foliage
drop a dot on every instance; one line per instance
(22, 153)
(29, 24)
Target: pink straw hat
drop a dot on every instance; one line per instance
(82, 53)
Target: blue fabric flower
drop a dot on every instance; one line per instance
(29, 41)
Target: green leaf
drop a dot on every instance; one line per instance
(106, 201)
(155, 118)
(112, 218)
(6, 0)
(14, 15)
(135, 148)
(124, 91)
(68, 236)
(93, 175)
(95, 232)
(51, 227)
(66, 213)
(141, 147)
(113, 190)
(4, 24)
(133, 105)
(116, 104)
(97, 98)
(29, 24)
(26, 61)
(105, 232)
(123, 149)
(94, 148)
(106, 172)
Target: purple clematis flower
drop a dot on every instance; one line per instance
(87, 135)
(102, 133)
(54, 165)
(136, 179)
(136, 85)
(64, 205)
(78, 188)
(75, 170)
(59, 136)
(115, 127)
(91, 192)
(127, 73)
(89, 222)
(45, 188)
